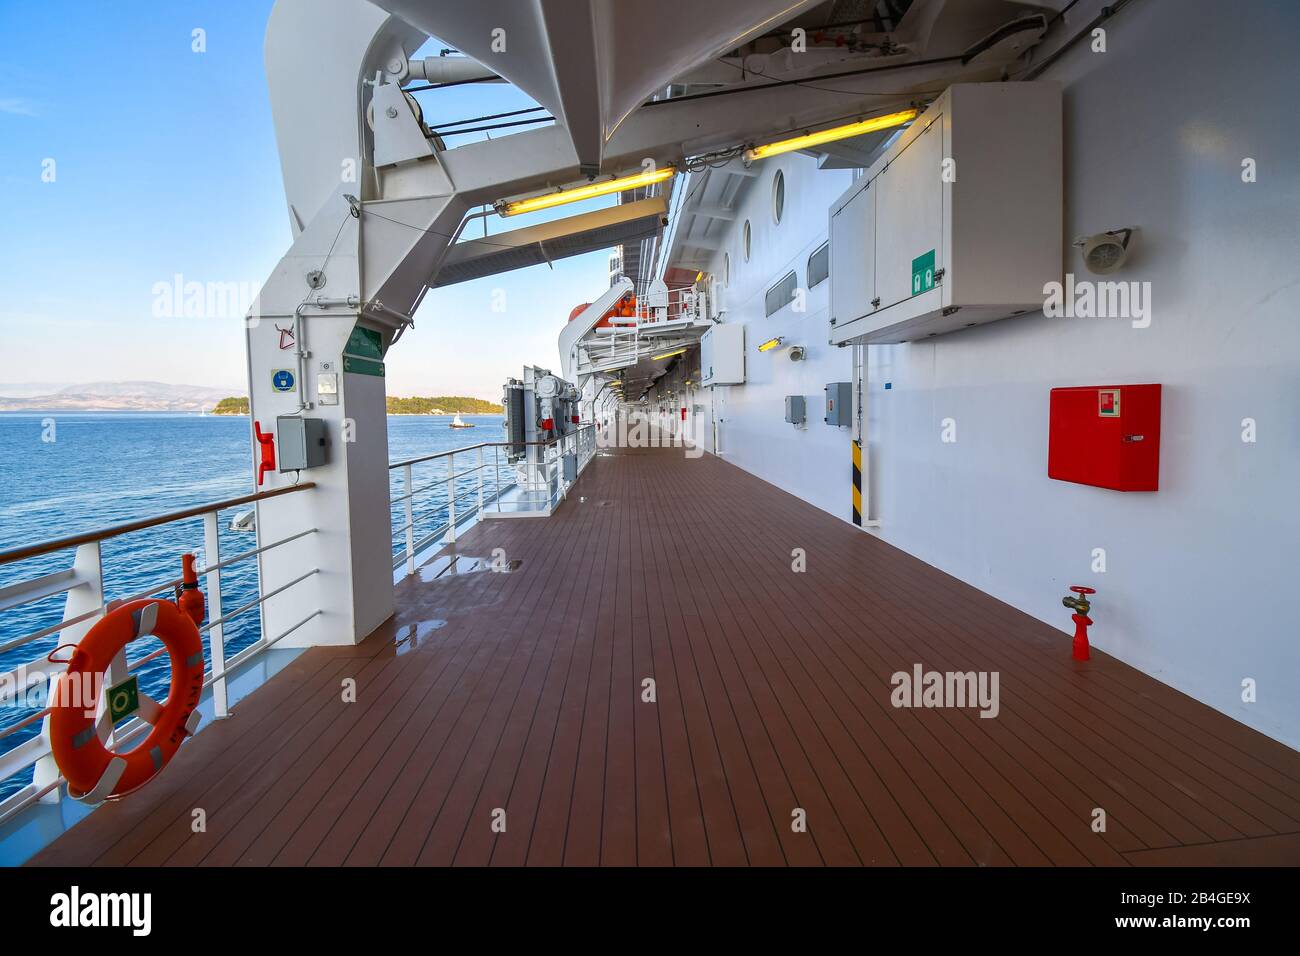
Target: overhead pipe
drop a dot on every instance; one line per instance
(450, 69)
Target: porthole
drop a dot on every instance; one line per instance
(778, 196)
(747, 239)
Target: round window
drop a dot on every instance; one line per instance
(747, 239)
(778, 196)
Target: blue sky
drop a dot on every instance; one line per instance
(165, 163)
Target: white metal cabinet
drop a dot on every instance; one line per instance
(722, 355)
(968, 218)
(853, 254)
(909, 198)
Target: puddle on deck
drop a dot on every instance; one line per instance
(455, 565)
(411, 636)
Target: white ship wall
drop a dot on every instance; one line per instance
(1199, 584)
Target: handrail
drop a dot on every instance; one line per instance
(113, 531)
(35, 752)
(450, 502)
(464, 448)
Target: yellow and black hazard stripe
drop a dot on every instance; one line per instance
(857, 483)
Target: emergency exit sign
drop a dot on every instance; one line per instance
(923, 273)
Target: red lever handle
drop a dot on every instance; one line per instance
(266, 440)
(1080, 589)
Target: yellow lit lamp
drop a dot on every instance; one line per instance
(589, 191)
(770, 344)
(809, 140)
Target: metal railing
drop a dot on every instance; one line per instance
(85, 603)
(515, 487)
(684, 304)
(518, 487)
(657, 323)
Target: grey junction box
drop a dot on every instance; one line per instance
(796, 409)
(839, 404)
(302, 442)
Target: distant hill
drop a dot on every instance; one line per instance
(111, 397)
(441, 405)
(163, 397)
(234, 405)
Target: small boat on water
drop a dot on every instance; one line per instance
(457, 423)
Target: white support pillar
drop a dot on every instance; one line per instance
(367, 239)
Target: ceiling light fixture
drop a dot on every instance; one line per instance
(589, 191)
(655, 358)
(808, 140)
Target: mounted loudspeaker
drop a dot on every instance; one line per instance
(1105, 252)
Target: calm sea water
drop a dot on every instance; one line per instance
(61, 474)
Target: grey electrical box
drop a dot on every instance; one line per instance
(839, 404)
(570, 467)
(302, 442)
(796, 409)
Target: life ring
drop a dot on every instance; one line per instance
(79, 738)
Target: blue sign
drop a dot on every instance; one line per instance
(282, 380)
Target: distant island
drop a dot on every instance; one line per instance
(133, 396)
(234, 405)
(165, 397)
(441, 405)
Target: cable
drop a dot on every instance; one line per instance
(1106, 13)
(479, 129)
(1060, 14)
(490, 116)
(439, 86)
(434, 232)
(829, 76)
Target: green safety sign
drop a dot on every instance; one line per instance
(923, 273)
(124, 699)
(360, 366)
(365, 343)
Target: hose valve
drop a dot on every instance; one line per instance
(1080, 606)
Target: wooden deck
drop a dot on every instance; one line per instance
(522, 691)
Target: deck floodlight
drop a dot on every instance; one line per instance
(664, 355)
(590, 190)
(770, 344)
(808, 140)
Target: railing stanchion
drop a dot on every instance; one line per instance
(496, 475)
(451, 498)
(410, 523)
(480, 482)
(216, 634)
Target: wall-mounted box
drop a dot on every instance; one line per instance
(303, 442)
(796, 409)
(722, 355)
(839, 404)
(1105, 435)
(958, 224)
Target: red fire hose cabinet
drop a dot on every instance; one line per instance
(1106, 435)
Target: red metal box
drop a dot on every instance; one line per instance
(1106, 435)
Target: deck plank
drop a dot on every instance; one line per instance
(522, 691)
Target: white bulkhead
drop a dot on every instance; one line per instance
(1191, 579)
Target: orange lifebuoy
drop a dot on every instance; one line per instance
(78, 738)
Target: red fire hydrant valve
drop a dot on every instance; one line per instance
(1080, 605)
